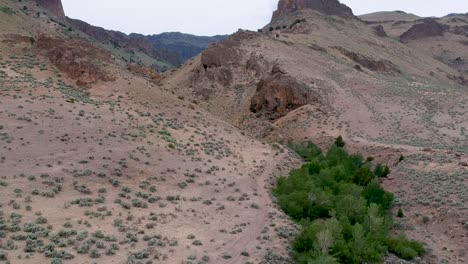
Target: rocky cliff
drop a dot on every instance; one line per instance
(55, 7)
(329, 7)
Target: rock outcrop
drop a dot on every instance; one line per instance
(226, 52)
(78, 59)
(54, 7)
(277, 94)
(428, 28)
(328, 7)
(380, 31)
(382, 65)
(144, 71)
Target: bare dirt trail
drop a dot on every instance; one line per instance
(249, 239)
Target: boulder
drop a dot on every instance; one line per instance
(277, 94)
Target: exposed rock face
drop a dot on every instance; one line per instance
(428, 28)
(218, 55)
(380, 31)
(55, 7)
(76, 58)
(279, 93)
(329, 7)
(384, 66)
(144, 71)
(224, 53)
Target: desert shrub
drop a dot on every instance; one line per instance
(344, 212)
(400, 213)
(402, 158)
(404, 248)
(307, 151)
(381, 171)
(339, 142)
(3, 255)
(56, 261)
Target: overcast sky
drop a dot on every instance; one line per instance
(211, 17)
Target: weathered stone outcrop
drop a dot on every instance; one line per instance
(218, 61)
(384, 66)
(78, 59)
(380, 31)
(428, 28)
(226, 52)
(328, 7)
(278, 93)
(144, 71)
(54, 7)
(219, 55)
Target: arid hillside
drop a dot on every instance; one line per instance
(313, 76)
(100, 164)
(105, 160)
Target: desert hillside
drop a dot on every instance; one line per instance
(100, 164)
(312, 76)
(105, 159)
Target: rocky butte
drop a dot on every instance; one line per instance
(53, 6)
(329, 7)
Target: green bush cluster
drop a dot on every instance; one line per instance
(345, 213)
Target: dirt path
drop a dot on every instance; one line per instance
(236, 247)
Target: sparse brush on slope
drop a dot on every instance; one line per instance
(344, 212)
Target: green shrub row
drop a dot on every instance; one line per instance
(345, 214)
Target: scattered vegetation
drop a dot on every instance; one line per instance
(7, 10)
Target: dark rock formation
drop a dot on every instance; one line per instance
(78, 59)
(279, 93)
(385, 66)
(380, 31)
(428, 28)
(54, 7)
(226, 52)
(328, 7)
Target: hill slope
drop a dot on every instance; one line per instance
(314, 76)
(110, 162)
(186, 45)
(99, 164)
